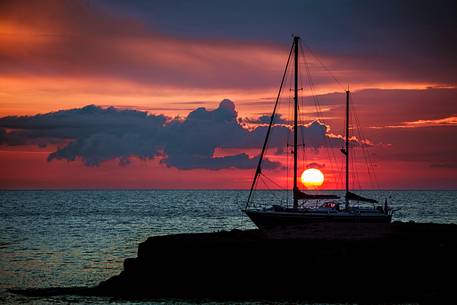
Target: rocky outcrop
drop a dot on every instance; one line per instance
(398, 262)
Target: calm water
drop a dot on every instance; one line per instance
(79, 238)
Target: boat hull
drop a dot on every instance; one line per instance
(267, 219)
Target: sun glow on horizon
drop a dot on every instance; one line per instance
(312, 178)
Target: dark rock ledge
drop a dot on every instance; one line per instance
(398, 262)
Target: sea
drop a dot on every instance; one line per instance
(68, 238)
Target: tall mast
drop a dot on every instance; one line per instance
(296, 38)
(347, 144)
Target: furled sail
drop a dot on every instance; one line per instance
(355, 197)
(301, 195)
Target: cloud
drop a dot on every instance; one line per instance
(81, 40)
(191, 143)
(315, 165)
(52, 38)
(265, 119)
(449, 121)
(95, 134)
(445, 165)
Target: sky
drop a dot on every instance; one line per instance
(177, 94)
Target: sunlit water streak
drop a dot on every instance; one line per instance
(79, 238)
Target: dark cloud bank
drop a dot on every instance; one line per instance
(96, 134)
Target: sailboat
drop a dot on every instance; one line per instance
(330, 208)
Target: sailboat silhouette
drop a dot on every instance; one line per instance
(333, 208)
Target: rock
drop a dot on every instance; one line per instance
(328, 262)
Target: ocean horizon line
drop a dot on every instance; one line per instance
(217, 189)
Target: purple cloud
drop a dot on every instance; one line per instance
(96, 134)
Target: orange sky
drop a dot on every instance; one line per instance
(58, 55)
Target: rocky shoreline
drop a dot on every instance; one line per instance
(398, 262)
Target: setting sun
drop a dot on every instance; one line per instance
(312, 177)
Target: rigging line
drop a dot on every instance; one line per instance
(288, 99)
(253, 197)
(330, 152)
(368, 161)
(303, 150)
(352, 182)
(258, 169)
(368, 157)
(344, 163)
(289, 121)
(262, 176)
(287, 151)
(266, 189)
(301, 105)
(339, 179)
(354, 169)
(271, 180)
(323, 65)
(364, 152)
(317, 105)
(302, 121)
(338, 166)
(291, 126)
(303, 142)
(352, 165)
